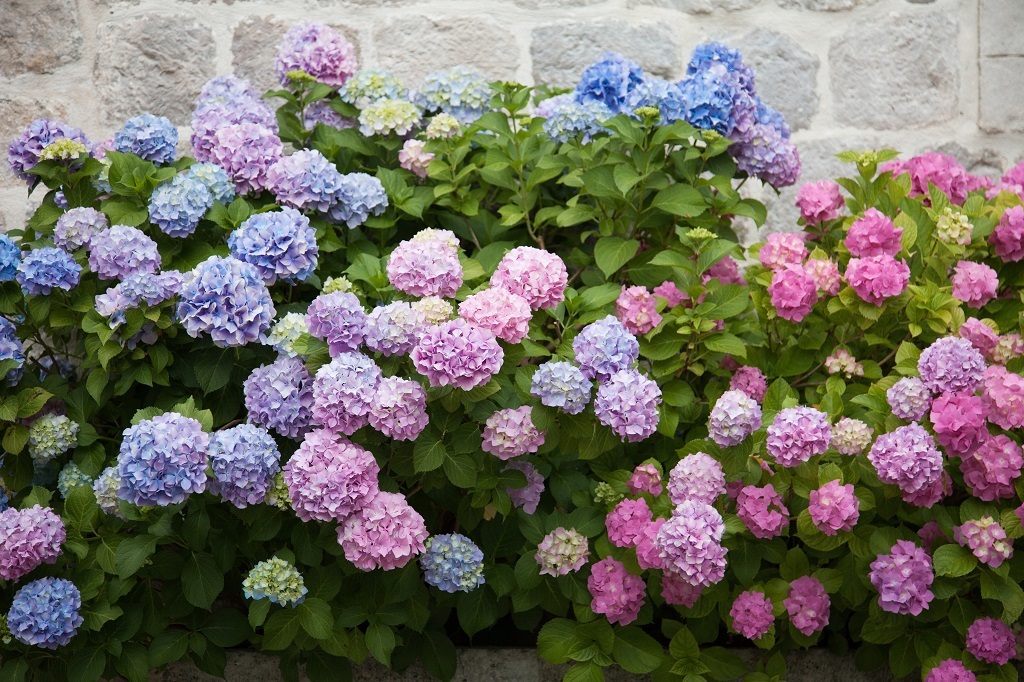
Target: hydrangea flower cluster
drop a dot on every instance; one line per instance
(626, 522)
(733, 418)
(24, 151)
(370, 85)
(951, 365)
(793, 292)
(177, 206)
(1008, 237)
(339, 319)
(569, 119)
(279, 396)
(244, 460)
(386, 533)
(636, 309)
(50, 436)
(503, 313)
(458, 91)
(281, 245)
(851, 436)
(563, 385)
(825, 274)
(452, 563)
(162, 460)
(45, 613)
(10, 257)
(959, 422)
(695, 477)
(285, 332)
(153, 138)
(627, 402)
(992, 469)
(227, 299)
(277, 580)
(330, 478)
(562, 551)
(343, 393)
(537, 275)
(903, 578)
(762, 511)
(873, 234)
(1002, 397)
(70, 477)
(877, 278)
(394, 329)
(528, 497)
(73, 230)
(819, 201)
(751, 614)
(105, 487)
(413, 157)
(950, 670)
(457, 353)
(216, 180)
(121, 250)
(318, 50)
(781, 249)
(808, 605)
(909, 398)
(605, 347)
(986, 539)
(646, 478)
(797, 434)
(941, 170)
(991, 640)
(399, 408)
(841, 361)
(615, 592)
(510, 433)
(45, 269)
(305, 181)
(425, 268)
(834, 507)
(751, 381)
(387, 116)
(908, 458)
(689, 544)
(974, 283)
(28, 538)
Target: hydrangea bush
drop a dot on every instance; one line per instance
(397, 367)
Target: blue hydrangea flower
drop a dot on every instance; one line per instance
(228, 300)
(571, 119)
(4, 500)
(717, 101)
(765, 115)
(11, 349)
(216, 179)
(277, 580)
(561, 384)
(660, 93)
(71, 476)
(10, 258)
(609, 81)
(150, 137)
(43, 270)
(45, 613)
(604, 347)
(162, 460)
(281, 245)
(225, 90)
(23, 153)
(460, 91)
(244, 460)
(720, 58)
(768, 156)
(177, 207)
(306, 181)
(362, 195)
(452, 563)
(75, 228)
(371, 85)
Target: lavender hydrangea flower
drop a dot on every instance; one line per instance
(279, 396)
(338, 319)
(23, 152)
(43, 270)
(426, 268)
(281, 245)
(690, 546)
(246, 151)
(177, 206)
(459, 354)
(991, 640)
(510, 433)
(460, 91)
(361, 196)
(45, 613)
(211, 116)
(951, 365)
(399, 408)
(153, 138)
(571, 119)
(73, 230)
(216, 180)
(162, 460)
(765, 154)
(696, 477)
(343, 393)
(908, 458)
(387, 533)
(909, 399)
(797, 434)
(330, 478)
(452, 563)
(528, 497)
(733, 418)
(536, 275)
(244, 460)
(903, 578)
(371, 85)
(317, 49)
(121, 250)
(306, 181)
(228, 300)
(276, 580)
(627, 402)
(561, 384)
(604, 347)
(394, 329)
(609, 81)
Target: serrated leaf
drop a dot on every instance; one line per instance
(611, 253)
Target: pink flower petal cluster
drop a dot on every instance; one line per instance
(751, 614)
(425, 268)
(645, 479)
(950, 670)
(808, 605)
(696, 477)
(647, 553)
(678, 592)
(793, 292)
(834, 507)
(825, 274)
(615, 592)
(841, 361)
(399, 408)
(726, 271)
(762, 511)
(413, 157)
(986, 539)
(751, 381)
(931, 494)
(991, 640)
(941, 170)
(797, 434)
(637, 310)
(671, 293)
(386, 533)
(909, 399)
(1008, 237)
(337, 318)
(851, 436)
(991, 470)
(1002, 393)
(538, 276)
(981, 336)
(562, 551)
(28, 538)
(457, 353)
(626, 522)
(873, 234)
(959, 422)
(782, 249)
(819, 201)
(903, 579)
(690, 544)
(908, 458)
(734, 417)
(877, 278)
(528, 497)
(330, 478)
(974, 283)
(510, 433)
(504, 314)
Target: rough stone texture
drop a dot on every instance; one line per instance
(413, 46)
(152, 62)
(700, 6)
(787, 75)
(1001, 105)
(537, 4)
(825, 5)
(561, 51)
(988, 162)
(38, 36)
(887, 72)
(999, 28)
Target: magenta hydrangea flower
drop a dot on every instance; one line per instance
(877, 278)
(808, 605)
(991, 640)
(317, 49)
(425, 268)
(510, 433)
(959, 422)
(931, 494)
(726, 271)
(562, 551)
(28, 538)
(950, 670)
(981, 336)
(908, 458)
(279, 396)
(851, 436)
(1002, 393)
(986, 539)
(797, 434)
(941, 170)
(696, 477)
(394, 329)
(903, 578)
(537, 275)
(793, 292)
(671, 293)
(387, 533)
(604, 347)
(951, 365)
(399, 408)
(762, 511)
(677, 592)
(337, 318)
(626, 523)
(974, 283)
(819, 201)
(647, 553)
(330, 478)
(121, 250)
(873, 234)
(834, 507)
(627, 402)
(749, 380)
(504, 314)
(751, 614)
(991, 470)
(646, 478)
(457, 353)
(690, 544)
(825, 274)
(734, 417)
(909, 399)
(228, 300)
(1008, 238)
(616, 592)
(637, 310)
(343, 393)
(246, 151)
(528, 497)
(781, 249)
(930, 533)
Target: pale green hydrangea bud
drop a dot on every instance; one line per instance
(63, 149)
(443, 126)
(299, 77)
(435, 309)
(71, 476)
(285, 332)
(5, 632)
(341, 284)
(105, 488)
(51, 436)
(604, 493)
(277, 580)
(700, 234)
(953, 227)
(278, 493)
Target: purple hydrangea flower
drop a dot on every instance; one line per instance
(609, 81)
(43, 270)
(459, 354)
(343, 393)
(797, 434)
(337, 318)
(425, 268)
(121, 250)
(399, 408)
(279, 396)
(28, 539)
(604, 347)
(244, 460)
(306, 181)
(751, 381)
(908, 458)
(162, 460)
(361, 196)
(460, 91)
(991, 640)
(23, 153)
(11, 348)
(45, 613)
(951, 365)
(329, 478)
(808, 605)
(627, 402)
(74, 229)
(177, 207)
(903, 578)
(228, 300)
(150, 137)
(211, 116)
(950, 670)
(689, 544)
(317, 49)
(527, 497)
(246, 151)
(834, 507)
(909, 399)
(696, 477)
(561, 384)
(765, 154)
(393, 329)
(733, 418)
(280, 244)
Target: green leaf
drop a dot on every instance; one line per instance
(681, 200)
(611, 253)
(201, 580)
(258, 611)
(227, 628)
(636, 651)
(213, 369)
(556, 640)
(953, 561)
(167, 646)
(1006, 591)
(80, 509)
(280, 630)
(133, 663)
(428, 453)
(587, 671)
(15, 438)
(477, 610)
(683, 645)
(439, 656)
(380, 640)
(595, 298)
(723, 342)
(86, 665)
(132, 554)
(31, 400)
(315, 618)
(460, 470)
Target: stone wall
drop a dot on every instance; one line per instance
(911, 74)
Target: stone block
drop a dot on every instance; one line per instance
(561, 51)
(825, 5)
(253, 48)
(999, 28)
(700, 6)
(1001, 95)
(787, 74)
(414, 46)
(888, 73)
(152, 62)
(38, 36)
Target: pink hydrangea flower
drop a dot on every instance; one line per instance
(842, 362)
(678, 592)
(907, 457)
(992, 469)
(825, 274)
(457, 353)
(387, 533)
(930, 533)
(615, 592)
(636, 310)
(950, 670)
(1008, 347)
(627, 402)
(733, 418)
(726, 271)
(671, 293)
(645, 479)
(986, 539)
(626, 523)
(941, 170)
(873, 234)
(981, 336)
(413, 157)
(851, 436)
(903, 579)
(782, 249)
(538, 276)
(974, 283)
(399, 408)
(562, 551)
(690, 544)
(819, 201)
(28, 538)
(959, 422)
(793, 291)
(931, 494)
(749, 380)
(808, 605)
(330, 478)
(1008, 237)
(647, 553)
(528, 497)
(877, 278)
(1002, 393)
(504, 314)
(762, 511)
(425, 268)
(991, 640)
(510, 433)
(797, 434)
(834, 507)
(751, 614)
(696, 477)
